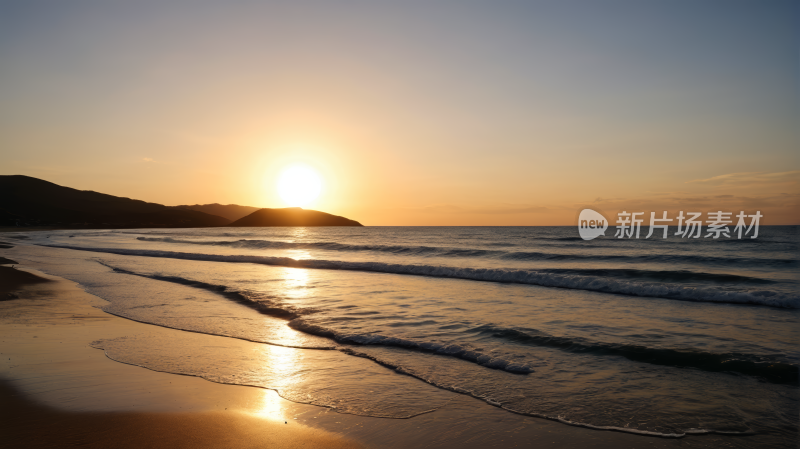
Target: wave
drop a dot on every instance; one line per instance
(333, 246)
(563, 239)
(294, 313)
(661, 275)
(436, 251)
(451, 350)
(649, 433)
(530, 277)
(261, 305)
(100, 344)
(456, 389)
(651, 258)
(765, 367)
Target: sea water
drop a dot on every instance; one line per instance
(670, 337)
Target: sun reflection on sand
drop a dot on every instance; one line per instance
(282, 363)
(271, 406)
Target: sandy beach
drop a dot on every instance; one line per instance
(58, 390)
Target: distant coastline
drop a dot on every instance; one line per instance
(30, 203)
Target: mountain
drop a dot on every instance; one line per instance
(230, 211)
(28, 201)
(292, 216)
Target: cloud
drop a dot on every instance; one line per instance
(502, 209)
(778, 208)
(511, 210)
(742, 178)
(147, 159)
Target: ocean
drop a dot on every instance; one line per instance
(662, 337)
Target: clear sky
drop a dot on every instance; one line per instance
(412, 112)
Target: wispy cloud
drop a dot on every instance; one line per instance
(780, 208)
(747, 178)
(501, 209)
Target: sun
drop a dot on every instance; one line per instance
(299, 185)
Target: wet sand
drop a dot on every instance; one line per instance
(57, 390)
(28, 424)
(12, 280)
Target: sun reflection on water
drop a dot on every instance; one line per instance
(286, 336)
(295, 282)
(300, 232)
(299, 254)
(283, 362)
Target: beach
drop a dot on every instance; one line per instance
(79, 375)
(444, 225)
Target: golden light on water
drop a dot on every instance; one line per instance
(295, 280)
(299, 254)
(299, 185)
(299, 235)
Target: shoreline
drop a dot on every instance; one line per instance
(55, 386)
(59, 371)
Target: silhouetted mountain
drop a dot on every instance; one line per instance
(232, 212)
(28, 201)
(292, 216)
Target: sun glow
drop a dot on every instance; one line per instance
(299, 185)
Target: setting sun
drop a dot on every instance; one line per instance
(299, 185)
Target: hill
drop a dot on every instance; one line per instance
(28, 201)
(232, 212)
(292, 216)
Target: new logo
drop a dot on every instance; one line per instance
(591, 224)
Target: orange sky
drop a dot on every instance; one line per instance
(451, 114)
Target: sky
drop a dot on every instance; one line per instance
(413, 112)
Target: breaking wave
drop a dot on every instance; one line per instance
(767, 368)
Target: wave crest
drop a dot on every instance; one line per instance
(436, 251)
(518, 276)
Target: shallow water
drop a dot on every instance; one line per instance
(671, 336)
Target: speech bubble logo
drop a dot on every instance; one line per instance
(591, 224)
